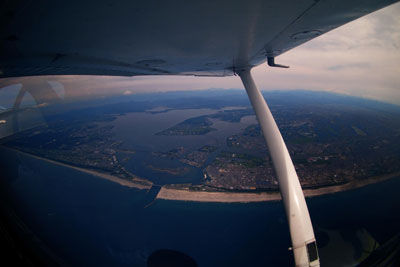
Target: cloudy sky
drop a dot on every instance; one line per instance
(361, 58)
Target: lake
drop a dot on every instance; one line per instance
(141, 137)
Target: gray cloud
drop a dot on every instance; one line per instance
(360, 65)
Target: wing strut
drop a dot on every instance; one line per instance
(301, 230)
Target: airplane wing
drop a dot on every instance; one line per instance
(127, 38)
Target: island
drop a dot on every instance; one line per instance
(193, 126)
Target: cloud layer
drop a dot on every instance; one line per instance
(361, 58)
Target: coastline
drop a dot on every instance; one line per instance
(350, 185)
(230, 197)
(136, 182)
(185, 194)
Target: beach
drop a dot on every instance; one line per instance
(230, 197)
(205, 196)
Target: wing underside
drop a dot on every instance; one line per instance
(127, 38)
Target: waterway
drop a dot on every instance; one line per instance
(141, 137)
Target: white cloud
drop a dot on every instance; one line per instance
(127, 92)
(361, 58)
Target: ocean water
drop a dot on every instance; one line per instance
(86, 220)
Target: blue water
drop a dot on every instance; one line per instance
(86, 220)
(137, 130)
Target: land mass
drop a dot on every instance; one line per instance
(181, 192)
(334, 144)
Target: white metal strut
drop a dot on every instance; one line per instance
(301, 230)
